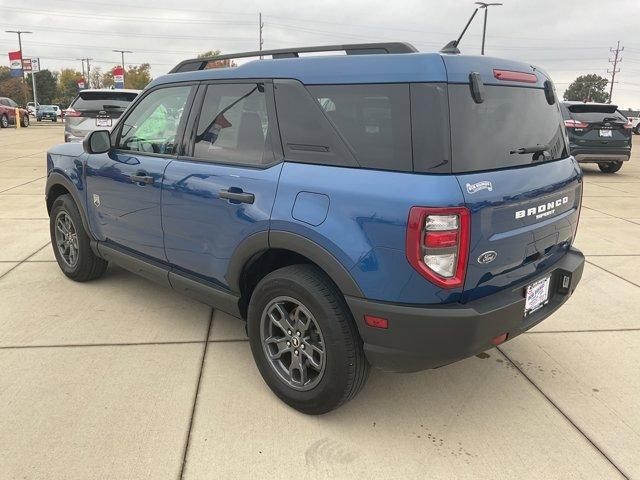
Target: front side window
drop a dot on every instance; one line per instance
(234, 125)
(152, 127)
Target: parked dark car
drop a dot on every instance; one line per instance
(403, 210)
(47, 112)
(8, 113)
(95, 109)
(598, 133)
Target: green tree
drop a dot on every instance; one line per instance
(67, 87)
(12, 87)
(107, 79)
(46, 86)
(587, 88)
(218, 64)
(137, 77)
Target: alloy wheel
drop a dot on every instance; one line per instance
(66, 239)
(293, 343)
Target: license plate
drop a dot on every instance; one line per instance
(605, 133)
(536, 295)
(103, 122)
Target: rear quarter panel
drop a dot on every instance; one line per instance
(360, 217)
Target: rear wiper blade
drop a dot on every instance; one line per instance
(105, 107)
(534, 149)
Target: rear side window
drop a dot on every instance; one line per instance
(96, 101)
(234, 125)
(373, 119)
(502, 130)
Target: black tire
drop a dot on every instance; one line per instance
(38, 120)
(4, 121)
(637, 129)
(25, 121)
(55, 120)
(87, 266)
(345, 368)
(610, 167)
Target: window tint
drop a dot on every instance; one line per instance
(11, 103)
(373, 119)
(152, 126)
(3, 101)
(234, 125)
(487, 135)
(595, 113)
(114, 100)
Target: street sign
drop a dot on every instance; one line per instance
(118, 77)
(81, 84)
(26, 64)
(15, 61)
(35, 64)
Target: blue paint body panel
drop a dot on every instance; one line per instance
(359, 216)
(201, 230)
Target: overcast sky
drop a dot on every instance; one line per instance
(565, 37)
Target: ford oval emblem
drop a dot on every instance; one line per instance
(487, 257)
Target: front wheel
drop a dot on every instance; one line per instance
(610, 167)
(25, 121)
(71, 244)
(304, 340)
(4, 121)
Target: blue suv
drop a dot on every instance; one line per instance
(382, 208)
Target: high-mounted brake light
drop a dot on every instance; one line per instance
(437, 244)
(575, 124)
(510, 76)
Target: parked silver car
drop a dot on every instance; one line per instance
(95, 109)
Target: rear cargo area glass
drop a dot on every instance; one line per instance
(485, 136)
(92, 101)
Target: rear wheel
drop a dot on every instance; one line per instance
(610, 167)
(4, 121)
(71, 244)
(304, 340)
(25, 121)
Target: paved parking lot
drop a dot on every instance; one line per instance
(121, 378)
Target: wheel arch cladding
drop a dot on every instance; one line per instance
(57, 185)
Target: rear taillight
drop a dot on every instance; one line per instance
(628, 125)
(437, 244)
(70, 112)
(575, 124)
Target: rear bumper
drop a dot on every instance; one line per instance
(600, 155)
(420, 338)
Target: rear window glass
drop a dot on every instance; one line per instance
(595, 113)
(501, 131)
(373, 119)
(87, 101)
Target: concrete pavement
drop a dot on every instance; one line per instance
(121, 378)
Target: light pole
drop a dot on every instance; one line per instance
(484, 27)
(122, 52)
(24, 84)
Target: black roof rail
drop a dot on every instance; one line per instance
(195, 64)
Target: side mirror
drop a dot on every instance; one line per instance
(98, 141)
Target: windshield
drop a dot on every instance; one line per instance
(513, 126)
(47, 108)
(88, 101)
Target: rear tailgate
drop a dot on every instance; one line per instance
(524, 204)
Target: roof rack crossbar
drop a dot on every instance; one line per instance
(195, 64)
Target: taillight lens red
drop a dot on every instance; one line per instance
(437, 244)
(575, 124)
(70, 112)
(511, 76)
(628, 125)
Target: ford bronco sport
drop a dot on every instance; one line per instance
(386, 207)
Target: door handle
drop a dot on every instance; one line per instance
(145, 179)
(240, 197)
